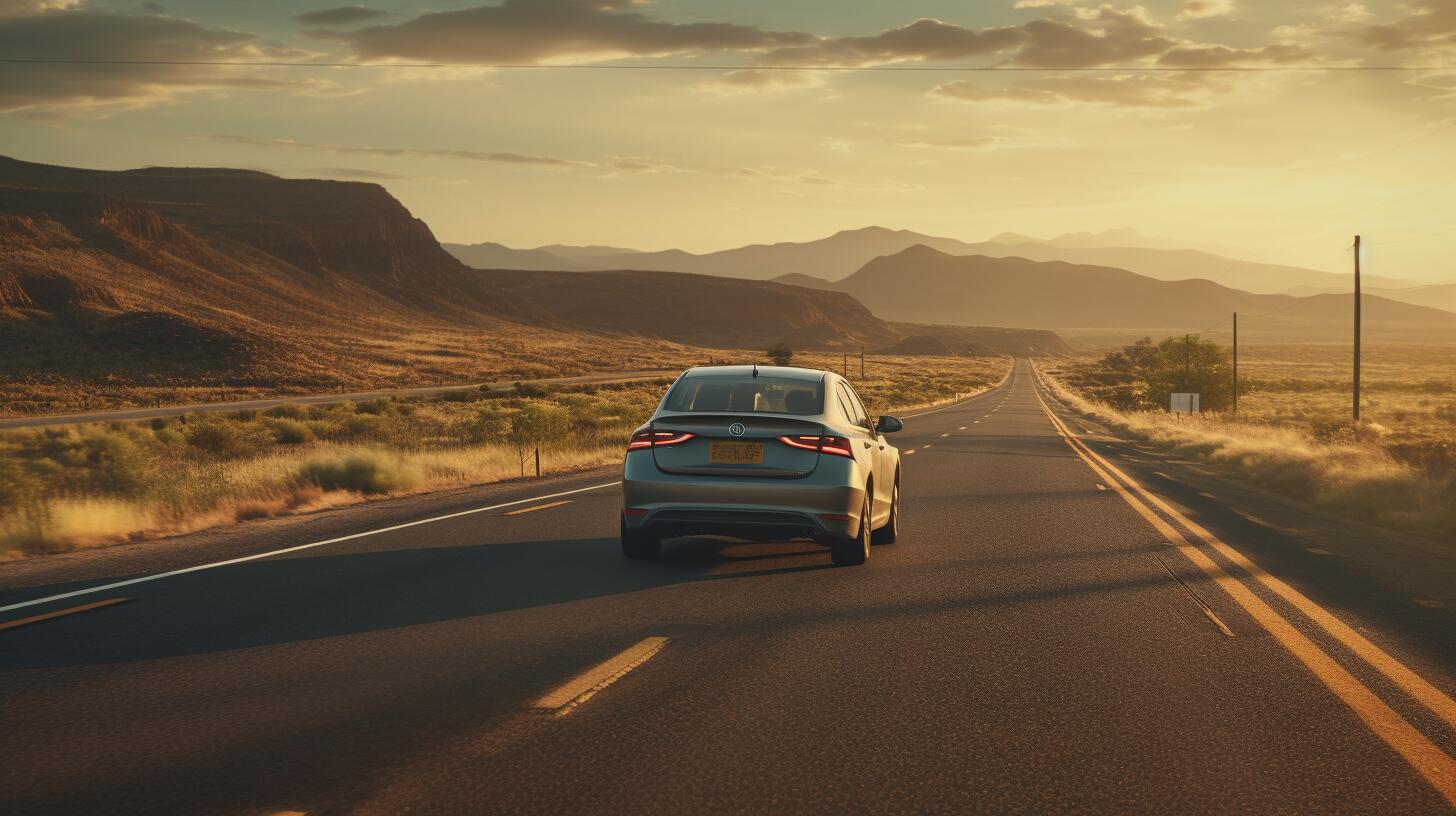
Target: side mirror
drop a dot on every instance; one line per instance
(888, 424)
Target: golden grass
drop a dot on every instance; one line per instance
(100, 484)
(1313, 456)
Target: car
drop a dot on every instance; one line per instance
(762, 453)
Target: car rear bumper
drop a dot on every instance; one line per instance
(822, 504)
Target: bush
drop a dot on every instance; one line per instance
(217, 437)
(369, 473)
(18, 486)
(291, 432)
(295, 412)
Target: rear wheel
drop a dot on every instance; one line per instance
(891, 530)
(639, 543)
(850, 552)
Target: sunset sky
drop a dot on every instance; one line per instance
(758, 147)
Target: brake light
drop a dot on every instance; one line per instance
(643, 440)
(833, 445)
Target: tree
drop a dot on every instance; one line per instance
(1145, 375)
(780, 353)
(534, 425)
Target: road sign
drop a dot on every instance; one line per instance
(1184, 404)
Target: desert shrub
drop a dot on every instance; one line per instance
(367, 472)
(116, 464)
(378, 407)
(531, 390)
(491, 423)
(294, 412)
(536, 425)
(217, 437)
(291, 432)
(18, 485)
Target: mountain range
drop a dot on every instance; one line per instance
(240, 277)
(840, 255)
(926, 285)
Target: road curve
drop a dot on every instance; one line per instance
(134, 414)
(1034, 642)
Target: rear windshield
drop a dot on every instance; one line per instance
(766, 395)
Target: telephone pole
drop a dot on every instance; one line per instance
(861, 363)
(1357, 330)
(1236, 363)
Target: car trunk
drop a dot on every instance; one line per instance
(716, 451)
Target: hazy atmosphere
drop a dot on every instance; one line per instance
(1039, 406)
(1278, 166)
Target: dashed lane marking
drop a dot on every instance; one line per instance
(60, 613)
(584, 686)
(537, 507)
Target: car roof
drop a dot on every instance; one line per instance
(741, 371)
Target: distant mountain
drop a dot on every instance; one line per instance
(839, 255)
(924, 285)
(192, 275)
(807, 281)
(699, 310)
(1437, 295)
(498, 256)
(566, 251)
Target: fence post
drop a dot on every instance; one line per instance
(538, 463)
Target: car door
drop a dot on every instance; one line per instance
(870, 443)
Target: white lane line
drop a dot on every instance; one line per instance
(1101, 486)
(908, 452)
(271, 553)
(1317, 550)
(944, 435)
(580, 688)
(961, 428)
(923, 447)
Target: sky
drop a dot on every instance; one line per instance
(778, 119)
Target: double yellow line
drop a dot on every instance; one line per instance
(1433, 764)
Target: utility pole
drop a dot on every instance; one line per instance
(1357, 330)
(846, 365)
(1236, 363)
(861, 363)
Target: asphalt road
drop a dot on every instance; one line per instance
(134, 414)
(1035, 642)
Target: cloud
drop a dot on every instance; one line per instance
(340, 15)
(1220, 56)
(1123, 90)
(361, 174)
(103, 36)
(1109, 36)
(26, 8)
(923, 39)
(543, 31)
(393, 152)
(1346, 12)
(1198, 9)
(1431, 23)
(765, 80)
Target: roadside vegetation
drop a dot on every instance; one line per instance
(79, 486)
(1293, 432)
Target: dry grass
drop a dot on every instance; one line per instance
(1398, 475)
(100, 484)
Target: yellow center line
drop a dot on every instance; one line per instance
(16, 624)
(537, 507)
(1435, 765)
(582, 687)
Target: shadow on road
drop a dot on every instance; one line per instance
(289, 599)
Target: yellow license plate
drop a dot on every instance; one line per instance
(735, 453)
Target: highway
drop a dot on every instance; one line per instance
(1067, 625)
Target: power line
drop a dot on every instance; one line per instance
(680, 67)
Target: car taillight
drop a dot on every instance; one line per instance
(833, 445)
(643, 440)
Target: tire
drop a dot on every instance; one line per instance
(638, 544)
(891, 530)
(851, 552)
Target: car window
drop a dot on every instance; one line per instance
(745, 394)
(857, 412)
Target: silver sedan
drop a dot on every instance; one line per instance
(766, 453)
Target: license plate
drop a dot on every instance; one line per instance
(735, 453)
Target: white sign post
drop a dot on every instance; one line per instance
(1184, 404)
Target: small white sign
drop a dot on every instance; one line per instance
(1184, 404)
